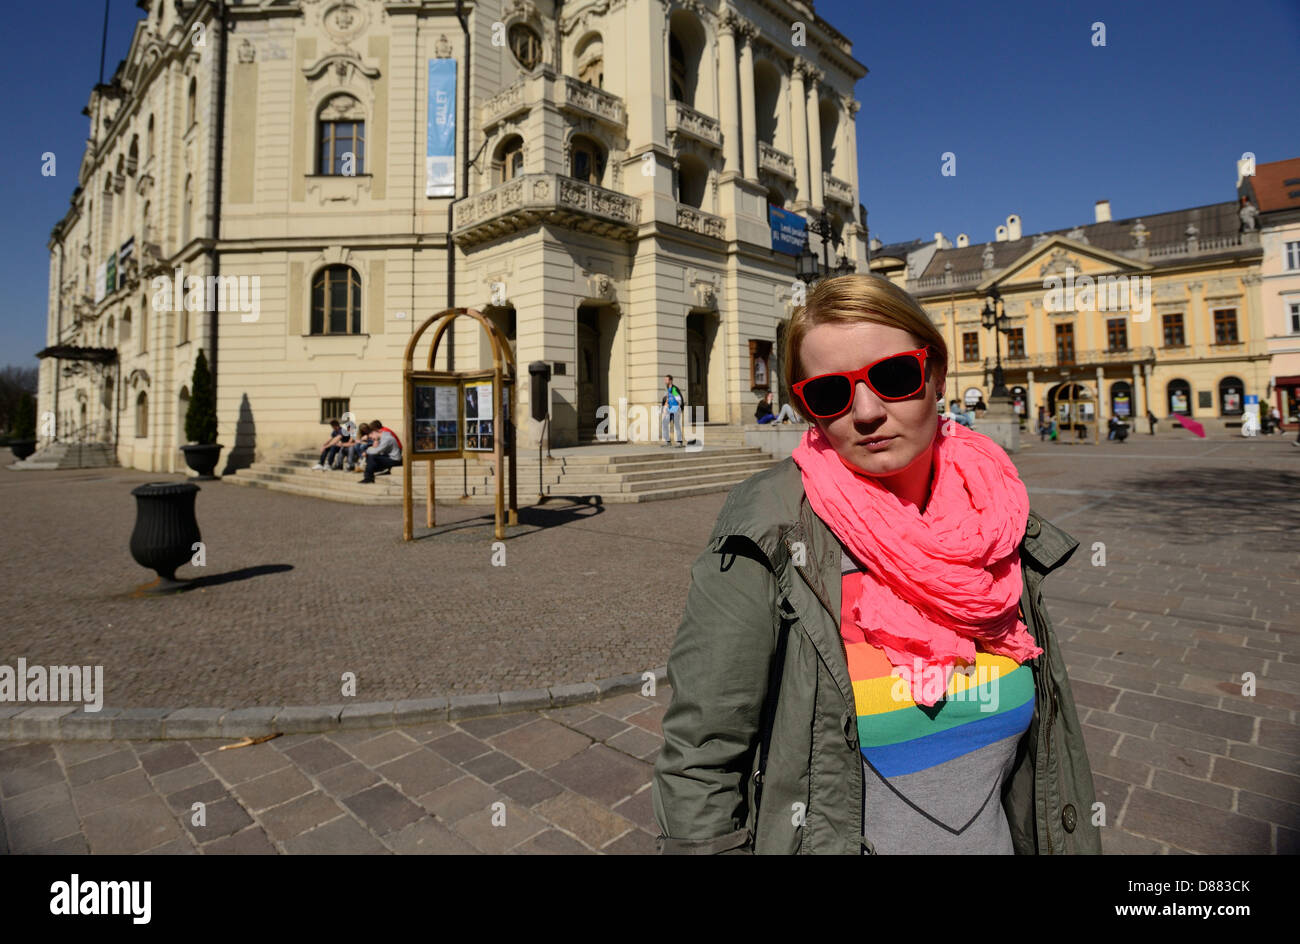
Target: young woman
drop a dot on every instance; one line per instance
(763, 412)
(865, 663)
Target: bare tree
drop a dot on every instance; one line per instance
(14, 382)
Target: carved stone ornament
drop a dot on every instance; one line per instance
(1139, 234)
(343, 108)
(1059, 261)
(601, 285)
(706, 295)
(442, 48)
(344, 22)
(1077, 234)
(247, 51)
(987, 260)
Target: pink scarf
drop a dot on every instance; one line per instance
(935, 582)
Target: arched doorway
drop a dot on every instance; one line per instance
(1121, 399)
(700, 329)
(596, 328)
(1074, 406)
(1179, 397)
(1020, 401)
(1231, 396)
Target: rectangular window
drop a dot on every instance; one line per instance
(1016, 342)
(970, 346)
(339, 139)
(1225, 326)
(1116, 334)
(1293, 256)
(1065, 344)
(333, 409)
(1295, 318)
(1173, 325)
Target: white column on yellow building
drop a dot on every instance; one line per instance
(799, 131)
(813, 94)
(1031, 405)
(727, 28)
(1146, 389)
(1133, 400)
(851, 108)
(1102, 412)
(749, 135)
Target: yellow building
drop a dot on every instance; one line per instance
(1111, 318)
(596, 176)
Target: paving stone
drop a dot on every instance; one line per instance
(316, 755)
(55, 792)
(458, 747)
(638, 742)
(570, 715)
(131, 827)
(102, 794)
(467, 796)
(250, 841)
(347, 779)
(1118, 842)
(520, 825)
(384, 748)
(1269, 809)
(484, 728)
(287, 820)
(68, 845)
(528, 787)
(273, 789)
(1256, 779)
(541, 743)
(1180, 760)
(42, 827)
(491, 767)
(590, 822)
(222, 818)
(426, 836)
(1194, 826)
(635, 842)
(1279, 736)
(17, 782)
(343, 836)
(601, 727)
(552, 842)
(651, 719)
(173, 847)
(209, 791)
(19, 756)
(245, 763)
(1261, 757)
(160, 758)
(103, 767)
(623, 706)
(383, 809)
(1199, 791)
(419, 772)
(182, 778)
(602, 774)
(77, 752)
(639, 808)
(429, 732)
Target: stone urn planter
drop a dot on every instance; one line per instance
(165, 531)
(22, 448)
(203, 459)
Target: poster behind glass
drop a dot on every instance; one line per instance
(435, 418)
(478, 417)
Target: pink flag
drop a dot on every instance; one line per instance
(1190, 424)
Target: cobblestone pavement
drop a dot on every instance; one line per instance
(1186, 579)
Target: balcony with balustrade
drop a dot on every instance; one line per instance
(531, 199)
(1055, 360)
(570, 96)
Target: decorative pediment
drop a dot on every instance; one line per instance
(342, 61)
(1057, 254)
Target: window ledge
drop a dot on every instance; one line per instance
(338, 334)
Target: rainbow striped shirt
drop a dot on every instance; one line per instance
(933, 776)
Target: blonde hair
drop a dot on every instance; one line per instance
(852, 298)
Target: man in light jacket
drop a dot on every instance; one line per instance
(384, 454)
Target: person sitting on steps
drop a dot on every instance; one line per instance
(763, 412)
(383, 455)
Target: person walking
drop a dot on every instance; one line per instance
(865, 663)
(672, 405)
(1151, 421)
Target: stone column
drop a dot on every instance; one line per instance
(727, 28)
(1101, 396)
(813, 94)
(749, 133)
(799, 131)
(1031, 405)
(1146, 388)
(851, 109)
(1134, 399)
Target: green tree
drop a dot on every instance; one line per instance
(25, 421)
(201, 417)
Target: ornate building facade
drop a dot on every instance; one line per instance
(604, 199)
(1109, 318)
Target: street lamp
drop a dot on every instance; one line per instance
(805, 264)
(995, 316)
(806, 267)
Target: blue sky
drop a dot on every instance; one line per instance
(1042, 122)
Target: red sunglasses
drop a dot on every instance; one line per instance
(896, 377)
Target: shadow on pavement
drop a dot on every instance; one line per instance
(1214, 502)
(244, 573)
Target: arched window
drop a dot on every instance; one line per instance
(341, 136)
(677, 67)
(336, 301)
(1180, 397)
(149, 140)
(142, 415)
(1231, 396)
(587, 160)
(187, 209)
(526, 45)
(133, 155)
(125, 333)
(191, 101)
(1121, 399)
(144, 324)
(510, 160)
(590, 57)
(110, 333)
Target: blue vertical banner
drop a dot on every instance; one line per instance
(440, 153)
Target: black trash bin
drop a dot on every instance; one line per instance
(165, 531)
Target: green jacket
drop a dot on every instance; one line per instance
(746, 587)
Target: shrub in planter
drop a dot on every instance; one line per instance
(201, 422)
(23, 440)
